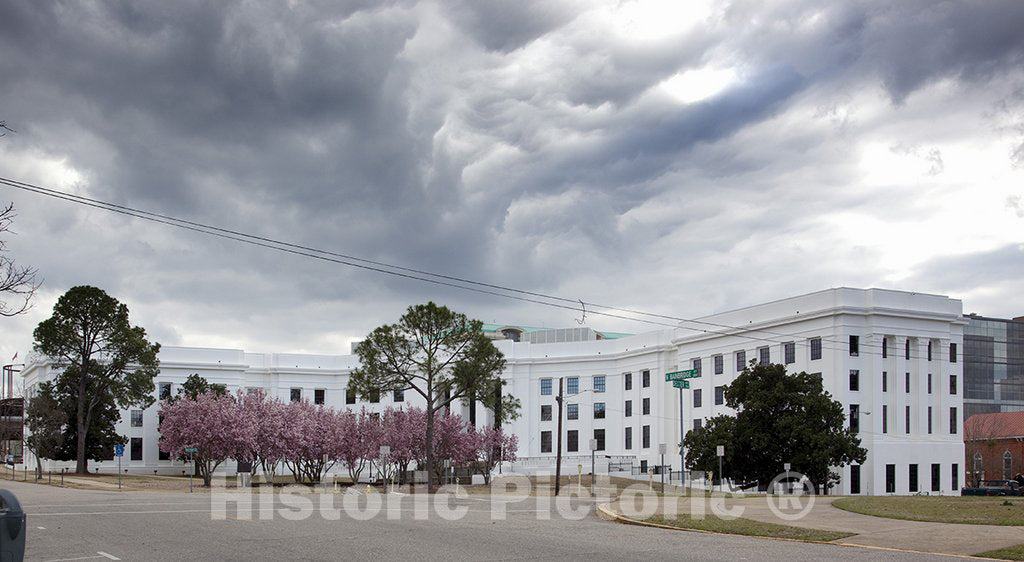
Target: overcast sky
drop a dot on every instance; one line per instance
(665, 156)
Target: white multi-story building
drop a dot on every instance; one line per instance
(890, 357)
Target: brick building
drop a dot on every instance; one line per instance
(994, 446)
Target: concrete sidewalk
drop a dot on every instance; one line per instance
(920, 536)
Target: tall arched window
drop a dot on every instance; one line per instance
(977, 466)
(1007, 465)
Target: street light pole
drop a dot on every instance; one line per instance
(593, 469)
(558, 457)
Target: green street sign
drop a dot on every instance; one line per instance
(681, 384)
(680, 375)
(191, 450)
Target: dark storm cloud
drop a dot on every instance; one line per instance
(967, 272)
(527, 144)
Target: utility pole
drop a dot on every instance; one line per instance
(682, 439)
(558, 457)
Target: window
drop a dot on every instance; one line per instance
(598, 383)
(912, 477)
(598, 410)
(764, 355)
(929, 350)
(399, 396)
(599, 437)
(645, 437)
(815, 349)
(719, 395)
(952, 421)
(952, 353)
(545, 387)
(719, 364)
(906, 383)
(646, 407)
(572, 385)
(163, 455)
(855, 418)
(906, 351)
(952, 384)
(629, 408)
(929, 383)
(629, 381)
(136, 418)
(890, 479)
(954, 481)
(978, 464)
(572, 412)
(906, 419)
(854, 380)
(545, 412)
(545, 441)
(646, 376)
(295, 395)
(854, 346)
(698, 423)
(789, 352)
(695, 365)
(572, 441)
(936, 477)
(885, 347)
(885, 418)
(136, 449)
(165, 391)
(929, 419)
(885, 381)
(697, 398)
(320, 396)
(350, 396)
(741, 360)
(854, 478)
(629, 438)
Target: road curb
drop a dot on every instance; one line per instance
(606, 513)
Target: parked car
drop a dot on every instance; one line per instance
(994, 488)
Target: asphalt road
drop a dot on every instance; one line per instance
(67, 524)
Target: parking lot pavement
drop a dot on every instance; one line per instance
(67, 524)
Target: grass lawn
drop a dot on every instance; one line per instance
(942, 509)
(749, 527)
(1008, 553)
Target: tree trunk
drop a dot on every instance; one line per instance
(39, 467)
(81, 464)
(430, 445)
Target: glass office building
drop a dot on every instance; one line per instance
(993, 365)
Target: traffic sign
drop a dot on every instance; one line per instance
(119, 450)
(191, 450)
(681, 384)
(680, 375)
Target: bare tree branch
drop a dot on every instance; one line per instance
(19, 281)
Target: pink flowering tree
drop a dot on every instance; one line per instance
(313, 444)
(272, 434)
(452, 442)
(359, 437)
(214, 425)
(402, 430)
(491, 446)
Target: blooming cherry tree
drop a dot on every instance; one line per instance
(214, 425)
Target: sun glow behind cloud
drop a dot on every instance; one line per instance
(693, 86)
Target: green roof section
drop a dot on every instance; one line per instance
(492, 328)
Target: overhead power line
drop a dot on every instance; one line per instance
(441, 279)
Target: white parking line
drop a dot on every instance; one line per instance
(105, 555)
(41, 528)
